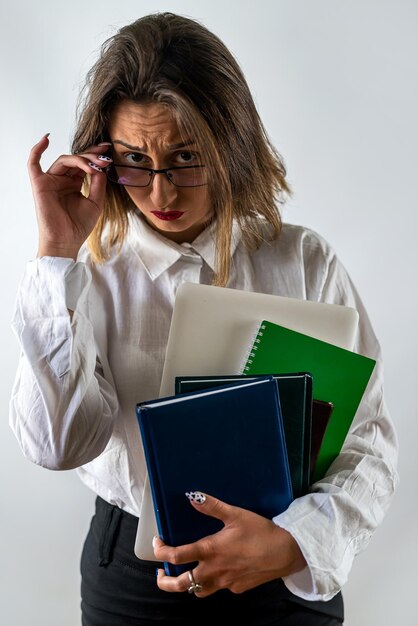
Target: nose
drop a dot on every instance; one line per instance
(163, 192)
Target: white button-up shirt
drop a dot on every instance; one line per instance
(79, 379)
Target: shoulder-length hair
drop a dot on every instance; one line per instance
(170, 59)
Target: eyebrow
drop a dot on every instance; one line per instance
(173, 146)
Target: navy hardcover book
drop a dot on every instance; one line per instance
(227, 441)
(295, 392)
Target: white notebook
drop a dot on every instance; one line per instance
(209, 335)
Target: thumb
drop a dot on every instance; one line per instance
(97, 188)
(208, 505)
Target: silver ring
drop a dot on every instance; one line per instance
(194, 587)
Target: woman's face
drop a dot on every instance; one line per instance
(146, 135)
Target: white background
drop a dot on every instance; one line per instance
(336, 85)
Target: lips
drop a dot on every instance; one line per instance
(168, 215)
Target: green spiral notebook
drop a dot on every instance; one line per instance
(338, 374)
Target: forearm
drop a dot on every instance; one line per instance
(336, 521)
(61, 422)
(62, 409)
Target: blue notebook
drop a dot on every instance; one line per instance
(295, 392)
(226, 441)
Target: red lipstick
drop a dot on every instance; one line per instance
(168, 215)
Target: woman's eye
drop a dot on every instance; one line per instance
(134, 158)
(186, 157)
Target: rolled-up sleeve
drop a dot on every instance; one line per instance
(62, 409)
(336, 520)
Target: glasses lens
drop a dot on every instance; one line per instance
(130, 176)
(137, 177)
(188, 176)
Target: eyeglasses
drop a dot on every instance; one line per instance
(181, 176)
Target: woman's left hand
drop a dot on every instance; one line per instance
(248, 551)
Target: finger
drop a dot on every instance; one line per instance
(172, 584)
(98, 148)
(214, 507)
(177, 555)
(99, 154)
(35, 154)
(68, 163)
(198, 550)
(181, 583)
(97, 189)
(99, 159)
(78, 175)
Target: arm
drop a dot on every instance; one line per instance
(337, 519)
(62, 408)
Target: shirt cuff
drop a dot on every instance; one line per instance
(314, 522)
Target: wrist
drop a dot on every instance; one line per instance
(291, 556)
(58, 250)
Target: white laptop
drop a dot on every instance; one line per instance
(210, 334)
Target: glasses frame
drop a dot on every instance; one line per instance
(165, 171)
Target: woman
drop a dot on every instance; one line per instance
(172, 178)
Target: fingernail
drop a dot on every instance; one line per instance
(196, 496)
(104, 158)
(96, 167)
(153, 541)
(104, 143)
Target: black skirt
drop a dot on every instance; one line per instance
(118, 589)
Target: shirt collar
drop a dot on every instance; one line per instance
(158, 254)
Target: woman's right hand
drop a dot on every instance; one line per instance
(65, 216)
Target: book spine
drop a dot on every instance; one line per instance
(251, 353)
(152, 470)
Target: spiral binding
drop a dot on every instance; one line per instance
(251, 353)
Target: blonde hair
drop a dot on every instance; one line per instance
(176, 61)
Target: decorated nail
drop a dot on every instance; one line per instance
(96, 167)
(196, 496)
(104, 158)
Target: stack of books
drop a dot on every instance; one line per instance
(256, 437)
(227, 441)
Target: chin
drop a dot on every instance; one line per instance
(179, 233)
